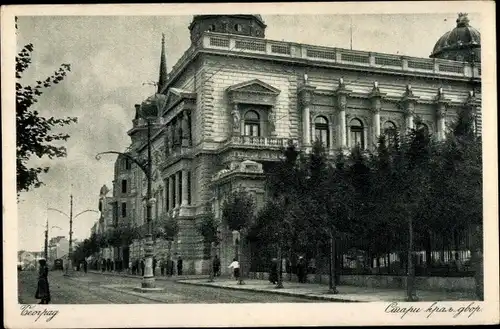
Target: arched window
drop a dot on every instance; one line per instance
(390, 132)
(357, 133)
(252, 124)
(321, 131)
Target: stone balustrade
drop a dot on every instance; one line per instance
(352, 58)
(272, 142)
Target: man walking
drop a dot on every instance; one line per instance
(179, 266)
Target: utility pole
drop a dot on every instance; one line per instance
(46, 245)
(69, 268)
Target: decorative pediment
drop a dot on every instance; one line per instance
(253, 92)
(176, 95)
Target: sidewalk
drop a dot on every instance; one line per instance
(310, 290)
(320, 291)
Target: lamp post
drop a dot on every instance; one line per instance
(69, 268)
(46, 245)
(149, 112)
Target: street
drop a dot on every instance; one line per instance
(102, 289)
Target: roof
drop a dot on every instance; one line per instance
(462, 37)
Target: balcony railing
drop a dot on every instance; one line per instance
(241, 44)
(272, 142)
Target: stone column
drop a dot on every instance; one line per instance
(376, 100)
(441, 103)
(441, 121)
(342, 94)
(408, 102)
(184, 188)
(186, 129)
(171, 192)
(306, 95)
(376, 124)
(342, 126)
(409, 111)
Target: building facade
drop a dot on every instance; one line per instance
(235, 99)
(58, 248)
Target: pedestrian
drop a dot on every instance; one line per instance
(103, 265)
(143, 265)
(42, 290)
(179, 265)
(273, 273)
(216, 266)
(162, 267)
(301, 269)
(130, 266)
(85, 265)
(171, 267)
(235, 265)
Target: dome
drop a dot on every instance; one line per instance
(463, 43)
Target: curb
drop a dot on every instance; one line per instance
(272, 292)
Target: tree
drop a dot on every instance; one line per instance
(208, 229)
(167, 228)
(238, 213)
(34, 133)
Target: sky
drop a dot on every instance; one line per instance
(112, 57)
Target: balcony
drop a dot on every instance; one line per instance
(257, 142)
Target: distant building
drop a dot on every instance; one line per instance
(235, 99)
(58, 247)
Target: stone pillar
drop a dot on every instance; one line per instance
(306, 96)
(376, 124)
(408, 102)
(441, 103)
(184, 188)
(171, 192)
(441, 121)
(342, 94)
(409, 113)
(376, 100)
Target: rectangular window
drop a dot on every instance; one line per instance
(115, 213)
(160, 201)
(124, 186)
(357, 137)
(189, 186)
(167, 193)
(156, 205)
(180, 188)
(252, 129)
(174, 191)
(126, 164)
(124, 209)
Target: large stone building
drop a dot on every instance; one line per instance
(234, 99)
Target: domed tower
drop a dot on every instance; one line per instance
(463, 43)
(248, 25)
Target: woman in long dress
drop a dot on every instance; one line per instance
(42, 290)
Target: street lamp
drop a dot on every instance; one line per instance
(149, 111)
(69, 268)
(46, 245)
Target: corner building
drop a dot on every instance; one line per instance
(235, 99)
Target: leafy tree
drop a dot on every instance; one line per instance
(34, 133)
(238, 210)
(208, 228)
